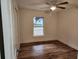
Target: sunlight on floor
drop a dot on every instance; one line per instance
(38, 50)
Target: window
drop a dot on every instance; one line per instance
(38, 26)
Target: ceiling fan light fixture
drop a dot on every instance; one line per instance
(53, 8)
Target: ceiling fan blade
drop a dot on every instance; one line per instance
(63, 3)
(61, 7)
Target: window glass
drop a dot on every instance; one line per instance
(38, 26)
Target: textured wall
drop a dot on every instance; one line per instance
(67, 26)
(26, 21)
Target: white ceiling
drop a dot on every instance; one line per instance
(39, 4)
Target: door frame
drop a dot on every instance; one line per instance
(7, 24)
(1, 36)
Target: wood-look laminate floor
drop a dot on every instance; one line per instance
(48, 50)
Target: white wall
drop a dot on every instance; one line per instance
(67, 26)
(26, 19)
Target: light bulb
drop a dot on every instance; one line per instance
(53, 8)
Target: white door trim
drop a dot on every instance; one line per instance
(6, 6)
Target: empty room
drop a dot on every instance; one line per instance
(40, 29)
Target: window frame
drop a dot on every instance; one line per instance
(39, 27)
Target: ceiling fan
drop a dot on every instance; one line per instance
(53, 5)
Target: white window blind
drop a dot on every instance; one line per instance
(38, 26)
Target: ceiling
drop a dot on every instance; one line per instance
(40, 4)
